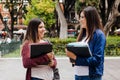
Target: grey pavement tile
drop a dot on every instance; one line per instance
(12, 69)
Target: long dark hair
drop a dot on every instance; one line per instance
(32, 30)
(93, 22)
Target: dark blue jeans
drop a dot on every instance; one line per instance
(87, 78)
(32, 78)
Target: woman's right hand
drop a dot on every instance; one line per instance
(51, 57)
(70, 54)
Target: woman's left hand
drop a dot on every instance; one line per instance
(51, 63)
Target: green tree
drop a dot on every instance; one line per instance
(109, 11)
(79, 5)
(110, 14)
(43, 9)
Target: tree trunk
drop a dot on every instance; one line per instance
(103, 10)
(5, 25)
(112, 17)
(63, 22)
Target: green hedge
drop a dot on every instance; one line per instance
(112, 46)
(59, 45)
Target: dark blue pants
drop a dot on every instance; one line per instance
(87, 78)
(32, 78)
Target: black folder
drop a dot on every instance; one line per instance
(79, 48)
(40, 49)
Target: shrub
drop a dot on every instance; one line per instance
(59, 45)
(112, 46)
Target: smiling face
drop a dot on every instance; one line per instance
(41, 30)
(83, 20)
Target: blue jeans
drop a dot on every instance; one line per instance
(32, 78)
(87, 78)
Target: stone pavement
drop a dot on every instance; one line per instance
(12, 69)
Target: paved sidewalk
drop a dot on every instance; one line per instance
(12, 69)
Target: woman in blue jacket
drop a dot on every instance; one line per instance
(90, 68)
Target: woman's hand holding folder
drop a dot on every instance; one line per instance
(70, 54)
(51, 56)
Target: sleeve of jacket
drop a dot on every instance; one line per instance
(97, 53)
(28, 62)
(55, 63)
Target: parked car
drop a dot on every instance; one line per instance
(117, 31)
(71, 32)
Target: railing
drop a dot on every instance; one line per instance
(9, 47)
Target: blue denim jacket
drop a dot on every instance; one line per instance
(96, 61)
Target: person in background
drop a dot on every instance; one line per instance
(39, 68)
(91, 32)
(21, 37)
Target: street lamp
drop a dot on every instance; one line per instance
(5, 19)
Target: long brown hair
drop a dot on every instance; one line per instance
(32, 30)
(93, 22)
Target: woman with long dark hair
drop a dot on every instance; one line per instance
(91, 32)
(39, 68)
